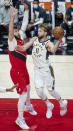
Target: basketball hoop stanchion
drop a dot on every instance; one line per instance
(53, 15)
(53, 26)
(31, 9)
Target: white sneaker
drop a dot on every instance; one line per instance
(49, 110)
(30, 109)
(21, 123)
(63, 107)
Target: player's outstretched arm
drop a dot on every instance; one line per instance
(53, 48)
(13, 13)
(3, 90)
(26, 46)
(11, 89)
(24, 23)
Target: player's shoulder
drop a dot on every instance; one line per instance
(11, 41)
(14, 39)
(49, 43)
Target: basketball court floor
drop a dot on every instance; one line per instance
(63, 69)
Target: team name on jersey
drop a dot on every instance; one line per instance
(39, 47)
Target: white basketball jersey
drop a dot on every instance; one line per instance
(39, 54)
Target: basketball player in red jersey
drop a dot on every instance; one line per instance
(18, 72)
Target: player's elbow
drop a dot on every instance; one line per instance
(53, 50)
(10, 38)
(24, 49)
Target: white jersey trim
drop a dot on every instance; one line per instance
(12, 44)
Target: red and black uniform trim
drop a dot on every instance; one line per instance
(19, 73)
(19, 55)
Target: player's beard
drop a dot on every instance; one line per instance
(17, 37)
(40, 37)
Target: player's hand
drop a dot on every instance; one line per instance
(13, 12)
(60, 39)
(29, 26)
(33, 39)
(12, 88)
(26, 46)
(21, 48)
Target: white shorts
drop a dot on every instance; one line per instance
(43, 78)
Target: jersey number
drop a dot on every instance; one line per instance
(37, 50)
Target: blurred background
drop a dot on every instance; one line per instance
(52, 12)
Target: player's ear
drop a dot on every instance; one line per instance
(45, 33)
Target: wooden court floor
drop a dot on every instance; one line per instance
(63, 69)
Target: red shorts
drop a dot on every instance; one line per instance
(21, 78)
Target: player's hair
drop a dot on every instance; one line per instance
(7, 0)
(16, 26)
(37, 0)
(45, 27)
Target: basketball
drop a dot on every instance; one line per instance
(58, 32)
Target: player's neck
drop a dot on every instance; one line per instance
(43, 39)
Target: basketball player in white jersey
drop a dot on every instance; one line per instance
(42, 75)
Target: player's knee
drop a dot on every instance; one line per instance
(22, 98)
(50, 87)
(28, 88)
(21, 102)
(51, 90)
(40, 93)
